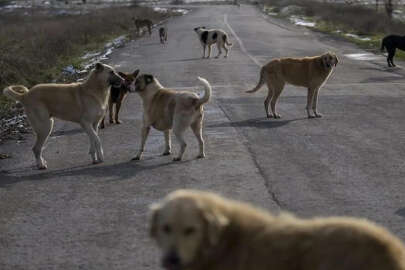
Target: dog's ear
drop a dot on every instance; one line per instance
(215, 225)
(154, 214)
(123, 75)
(135, 73)
(148, 78)
(336, 60)
(99, 67)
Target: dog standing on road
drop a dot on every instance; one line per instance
(198, 230)
(392, 43)
(208, 37)
(166, 109)
(118, 94)
(309, 72)
(82, 103)
(163, 34)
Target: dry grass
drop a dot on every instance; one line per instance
(361, 20)
(35, 48)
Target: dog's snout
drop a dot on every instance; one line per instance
(171, 260)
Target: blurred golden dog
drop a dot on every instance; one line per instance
(309, 72)
(200, 230)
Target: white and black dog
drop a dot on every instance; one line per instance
(211, 36)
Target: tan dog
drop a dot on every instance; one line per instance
(200, 230)
(141, 23)
(166, 109)
(82, 103)
(309, 72)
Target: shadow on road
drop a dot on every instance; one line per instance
(122, 171)
(187, 59)
(257, 123)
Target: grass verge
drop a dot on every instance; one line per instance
(362, 25)
(35, 48)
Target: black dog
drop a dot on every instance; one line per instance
(163, 34)
(391, 43)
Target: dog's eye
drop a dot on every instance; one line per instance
(166, 229)
(189, 231)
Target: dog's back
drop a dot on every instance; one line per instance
(393, 41)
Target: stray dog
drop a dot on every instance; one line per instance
(391, 43)
(199, 230)
(166, 109)
(118, 94)
(82, 103)
(211, 36)
(140, 24)
(163, 34)
(309, 72)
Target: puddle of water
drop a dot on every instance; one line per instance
(363, 56)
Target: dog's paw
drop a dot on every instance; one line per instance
(166, 153)
(310, 116)
(277, 116)
(118, 121)
(269, 116)
(177, 159)
(136, 158)
(97, 161)
(318, 115)
(111, 121)
(201, 156)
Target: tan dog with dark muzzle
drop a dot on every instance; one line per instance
(308, 72)
(167, 109)
(203, 231)
(84, 103)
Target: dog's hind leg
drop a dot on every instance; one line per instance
(219, 50)
(96, 150)
(209, 51)
(315, 103)
(145, 133)
(42, 126)
(197, 129)
(226, 50)
(168, 143)
(278, 88)
(179, 127)
(117, 110)
(204, 46)
(390, 58)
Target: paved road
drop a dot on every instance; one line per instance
(351, 162)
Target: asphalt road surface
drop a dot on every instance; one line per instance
(350, 162)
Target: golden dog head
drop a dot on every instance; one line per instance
(184, 226)
(329, 60)
(143, 81)
(107, 74)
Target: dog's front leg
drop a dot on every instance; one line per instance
(204, 50)
(168, 143)
(145, 133)
(310, 98)
(315, 103)
(209, 51)
(96, 150)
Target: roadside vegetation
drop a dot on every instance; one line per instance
(361, 24)
(35, 48)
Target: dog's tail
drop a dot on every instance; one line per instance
(382, 45)
(15, 92)
(260, 83)
(226, 41)
(208, 90)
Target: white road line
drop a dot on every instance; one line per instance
(242, 47)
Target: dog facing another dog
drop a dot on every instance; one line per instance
(118, 94)
(82, 103)
(208, 37)
(167, 109)
(198, 230)
(308, 72)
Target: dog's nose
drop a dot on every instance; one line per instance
(171, 260)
